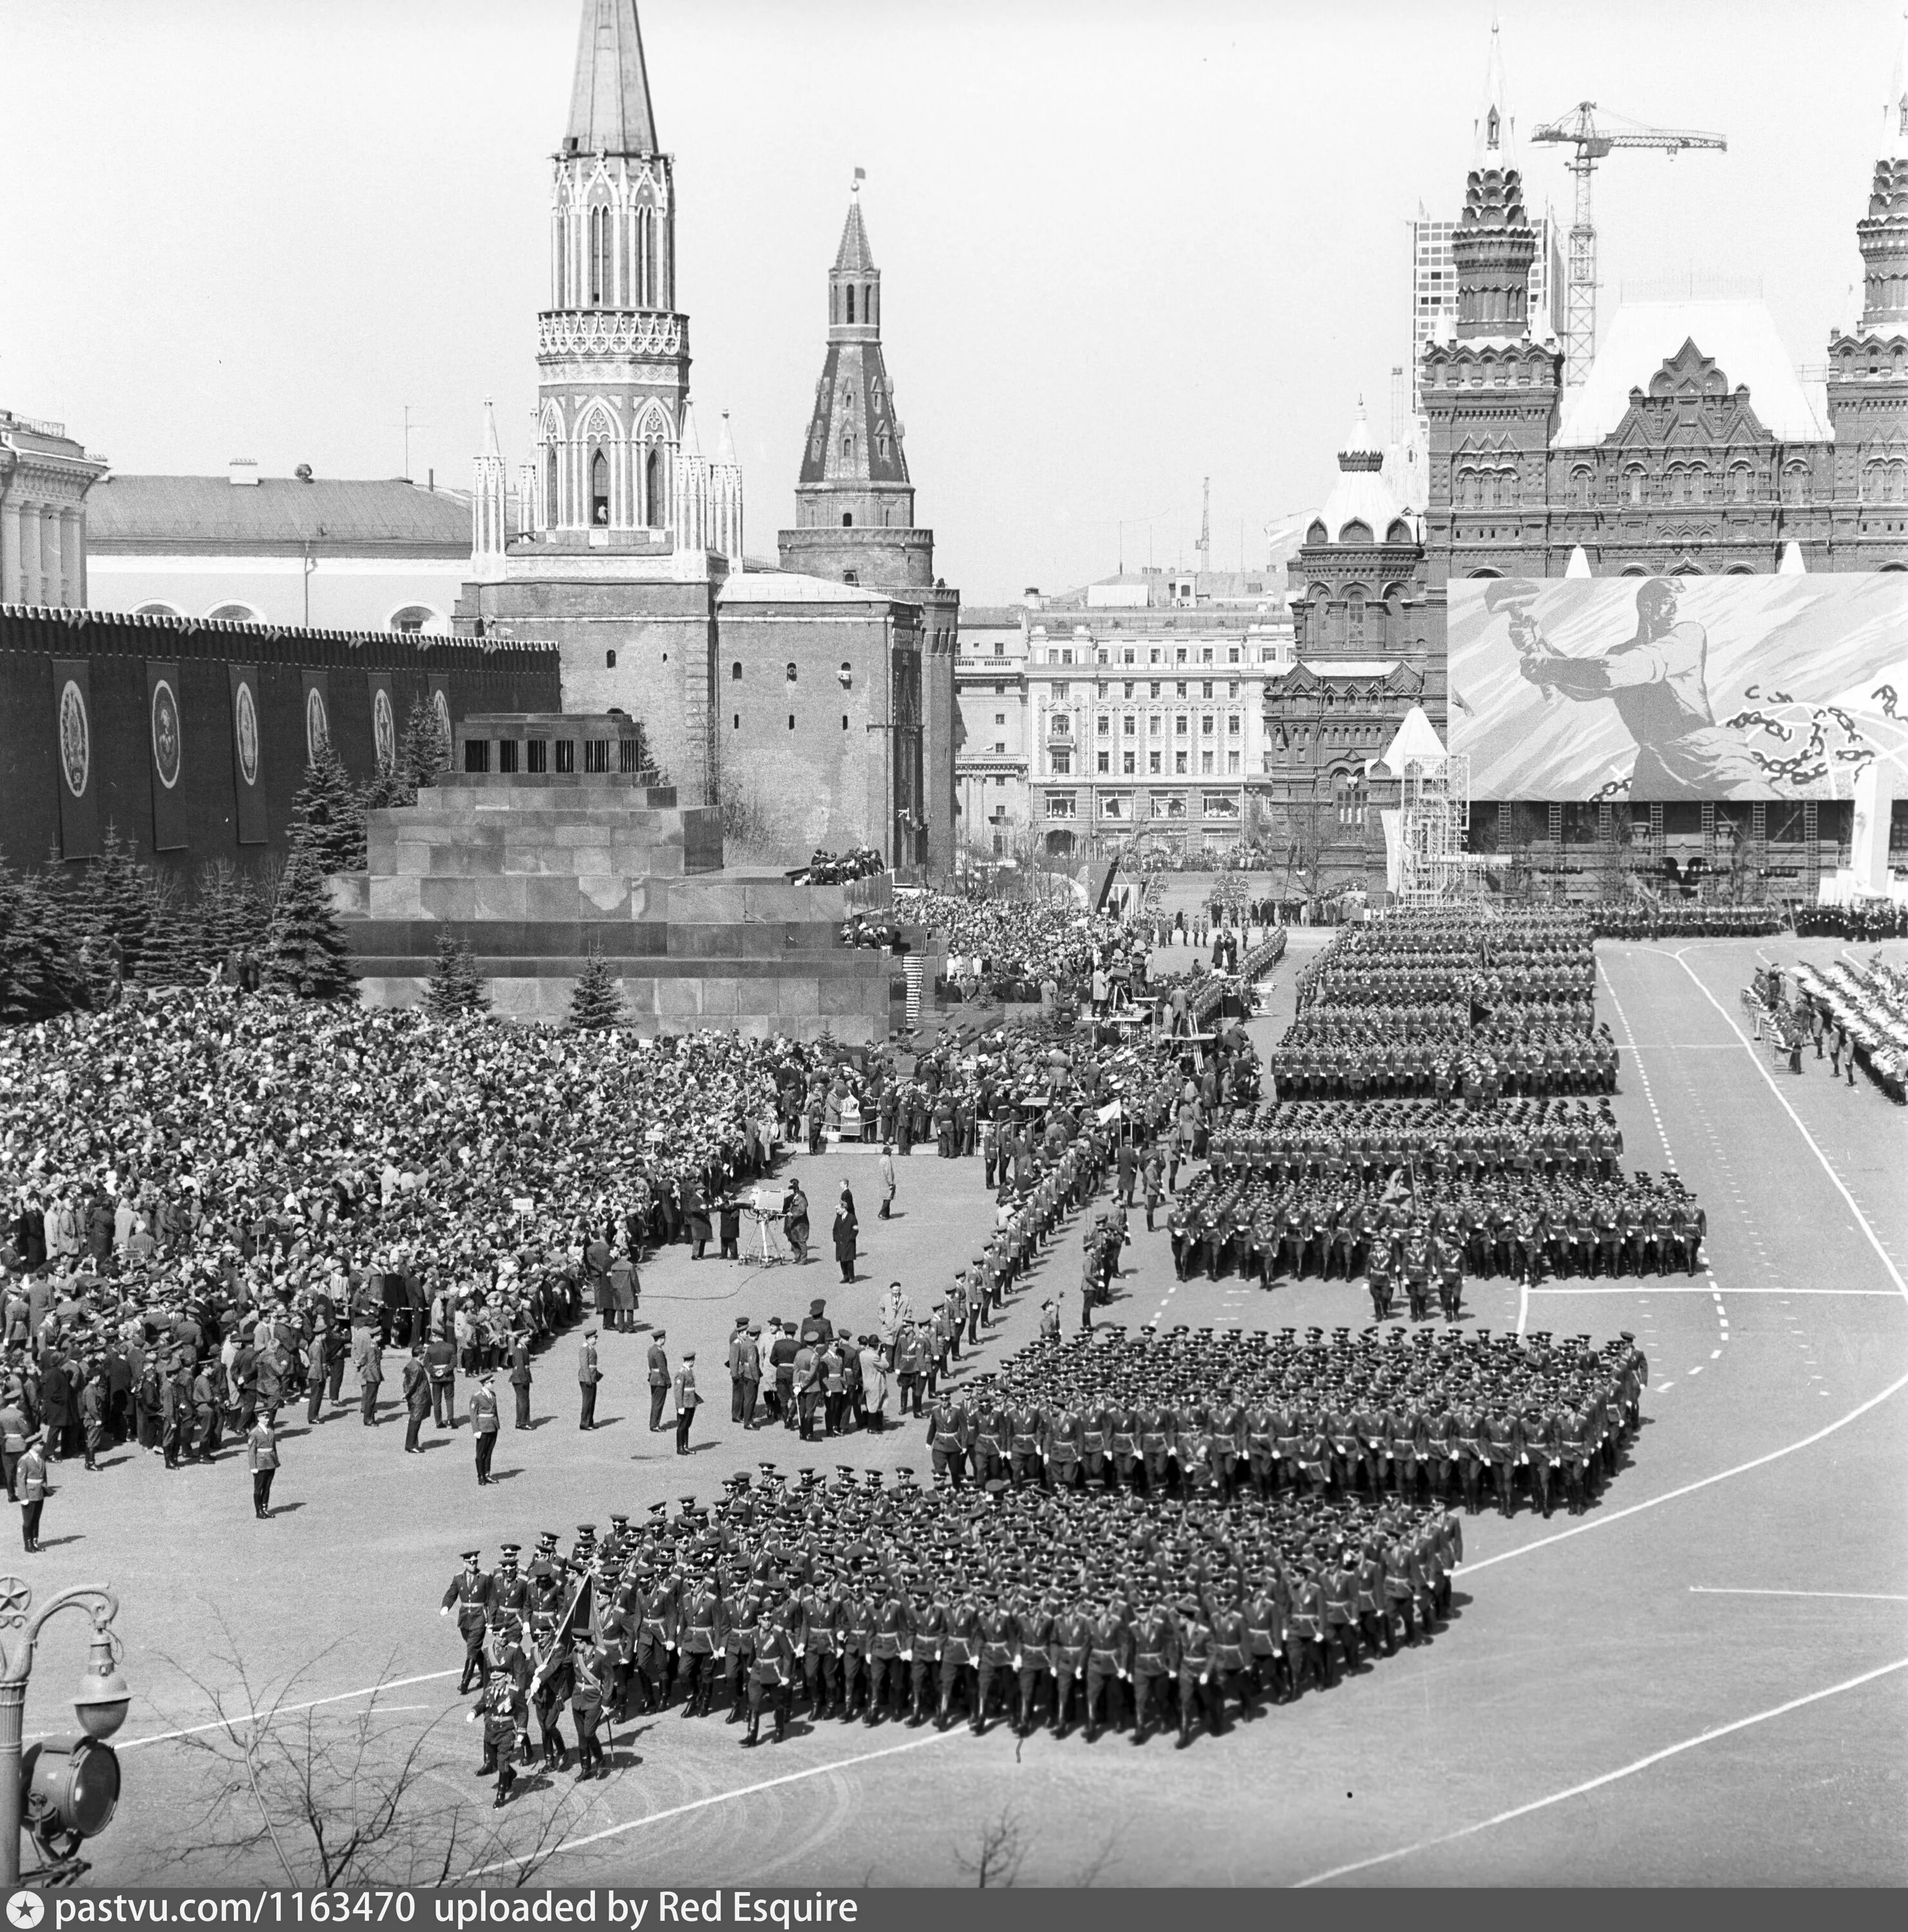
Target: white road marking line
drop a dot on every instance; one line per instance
(1696, 1371)
(282, 1710)
(1886, 1293)
(1610, 1776)
(719, 1798)
(1828, 1429)
(1523, 1310)
(1874, 1240)
(1715, 1354)
(1854, 1596)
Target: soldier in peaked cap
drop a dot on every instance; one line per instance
(469, 1596)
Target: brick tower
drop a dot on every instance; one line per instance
(854, 514)
(1490, 390)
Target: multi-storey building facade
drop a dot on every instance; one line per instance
(995, 801)
(1149, 724)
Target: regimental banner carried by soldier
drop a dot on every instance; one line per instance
(76, 765)
(384, 720)
(1656, 688)
(165, 731)
(247, 754)
(317, 711)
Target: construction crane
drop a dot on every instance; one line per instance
(1593, 139)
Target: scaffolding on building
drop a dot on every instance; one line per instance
(1434, 869)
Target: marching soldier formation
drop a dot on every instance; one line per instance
(1677, 920)
(1164, 1529)
(862, 1603)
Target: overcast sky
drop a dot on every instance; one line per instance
(1124, 247)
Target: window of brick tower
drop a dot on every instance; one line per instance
(653, 489)
(851, 304)
(599, 489)
(847, 519)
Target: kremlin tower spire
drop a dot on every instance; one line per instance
(613, 352)
(854, 516)
(854, 473)
(489, 536)
(1495, 244)
(1883, 235)
(610, 110)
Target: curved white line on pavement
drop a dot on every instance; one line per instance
(1599, 1521)
(1874, 1240)
(715, 1798)
(1608, 1778)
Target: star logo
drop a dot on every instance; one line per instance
(25, 1909)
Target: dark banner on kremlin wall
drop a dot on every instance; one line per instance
(79, 774)
(1652, 688)
(165, 729)
(247, 754)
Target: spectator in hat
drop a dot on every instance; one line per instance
(845, 1234)
(519, 1376)
(658, 1376)
(416, 1387)
(589, 1376)
(745, 1371)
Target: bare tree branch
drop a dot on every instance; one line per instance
(998, 1854)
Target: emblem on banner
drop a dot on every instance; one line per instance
(384, 729)
(317, 726)
(165, 738)
(246, 725)
(76, 740)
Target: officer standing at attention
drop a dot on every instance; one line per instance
(588, 1376)
(688, 1401)
(261, 1459)
(484, 1422)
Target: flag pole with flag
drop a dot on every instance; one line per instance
(573, 1619)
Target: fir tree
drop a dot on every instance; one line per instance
(112, 902)
(596, 1003)
(470, 982)
(393, 786)
(304, 952)
(426, 750)
(328, 815)
(177, 947)
(39, 970)
(456, 986)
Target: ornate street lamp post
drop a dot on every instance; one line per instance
(65, 1789)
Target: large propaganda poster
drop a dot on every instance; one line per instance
(1658, 688)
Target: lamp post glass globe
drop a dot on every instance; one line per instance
(104, 1695)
